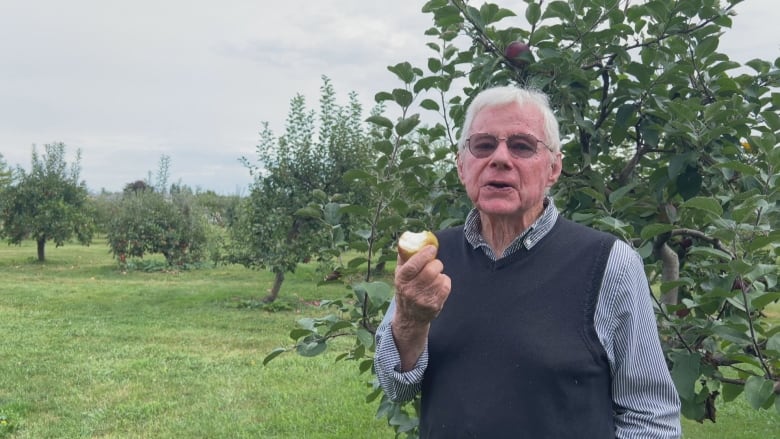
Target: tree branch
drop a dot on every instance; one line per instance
(715, 242)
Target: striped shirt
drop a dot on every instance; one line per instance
(645, 401)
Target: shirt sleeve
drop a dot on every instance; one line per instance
(398, 386)
(644, 397)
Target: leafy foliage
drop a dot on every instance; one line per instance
(147, 222)
(668, 143)
(48, 203)
(289, 216)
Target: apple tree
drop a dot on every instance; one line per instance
(5, 173)
(292, 211)
(147, 218)
(668, 143)
(48, 203)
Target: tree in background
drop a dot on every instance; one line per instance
(5, 173)
(667, 143)
(49, 203)
(292, 211)
(148, 219)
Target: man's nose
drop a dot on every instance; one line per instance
(501, 155)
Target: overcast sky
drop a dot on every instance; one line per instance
(129, 81)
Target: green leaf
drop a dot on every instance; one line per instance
(403, 97)
(306, 323)
(559, 9)
(311, 346)
(404, 71)
(641, 72)
(620, 192)
(622, 120)
(758, 391)
(405, 126)
(689, 182)
(381, 121)
(685, 372)
(434, 64)
(765, 299)
(686, 281)
(429, 104)
(378, 293)
(731, 391)
(354, 209)
(598, 196)
(738, 166)
(426, 83)
(706, 204)
(297, 333)
(332, 214)
(653, 230)
(774, 343)
(307, 212)
(365, 338)
(533, 12)
(382, 96)
(432, 5)
(709, 251)
(731, 334)
(274, 353)
(707, 46)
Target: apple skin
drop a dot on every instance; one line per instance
(410, 243)
(516, 49)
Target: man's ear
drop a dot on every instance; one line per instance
(556, 166)
(459, 164)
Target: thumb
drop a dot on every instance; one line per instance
(409, 269)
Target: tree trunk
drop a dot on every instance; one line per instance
(41, 249)
(274, 293)
(670, 271)
(379, 269)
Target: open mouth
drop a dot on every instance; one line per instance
(497, 185)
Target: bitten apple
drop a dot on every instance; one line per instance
(410, 243)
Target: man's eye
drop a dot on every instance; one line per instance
(522, 145)
(484, 145)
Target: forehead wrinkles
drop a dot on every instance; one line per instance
(506, 119)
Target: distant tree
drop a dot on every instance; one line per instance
(6, 173)
(49, 203)
(103, 207)
(137, 186)
(144, 223)
(292, 211)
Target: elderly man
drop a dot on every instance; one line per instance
(525, 324)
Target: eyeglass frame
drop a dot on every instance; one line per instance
(505, 139)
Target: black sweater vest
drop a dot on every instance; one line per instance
(514, 353)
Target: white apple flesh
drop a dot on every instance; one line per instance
(410, 243)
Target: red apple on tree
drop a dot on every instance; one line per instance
(518, 52)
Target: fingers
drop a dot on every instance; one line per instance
(411, 268)
(421, 287)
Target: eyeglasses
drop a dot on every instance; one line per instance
(522, 145)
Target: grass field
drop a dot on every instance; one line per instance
(89, 352)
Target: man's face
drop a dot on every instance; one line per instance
(501, 185)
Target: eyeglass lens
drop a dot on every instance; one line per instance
(519, 145)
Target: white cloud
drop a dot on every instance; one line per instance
(128, 81)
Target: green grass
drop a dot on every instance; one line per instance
(89, 352)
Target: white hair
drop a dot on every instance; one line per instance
(497, 96)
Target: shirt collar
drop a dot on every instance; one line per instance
(527, 239)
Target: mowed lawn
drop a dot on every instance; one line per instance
(87, 351)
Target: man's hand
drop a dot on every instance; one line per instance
(420, 292)
(420, 287)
